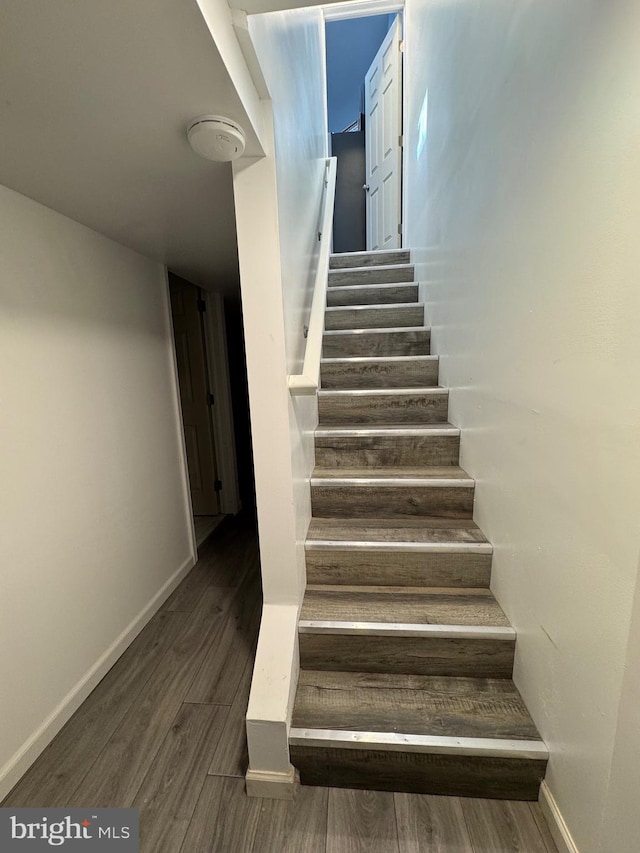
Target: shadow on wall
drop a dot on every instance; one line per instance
(240, 402)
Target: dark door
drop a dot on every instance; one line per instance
(349, 224)
(194, 395)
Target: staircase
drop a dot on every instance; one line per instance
(406, 657)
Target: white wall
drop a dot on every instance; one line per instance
(277, 213)
(284, 42)
(290, 47)
(523, 208)
(291, 51)
(94, 509)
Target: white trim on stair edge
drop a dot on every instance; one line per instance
(373, 545)
(431, 744)
(393, 432)
(395, 482)
(376, 286)
(383, 331)
(365, 252)
(376, 359)
(399, 629)
(383, 306)
(438, 390)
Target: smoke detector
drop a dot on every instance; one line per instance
(216, 138)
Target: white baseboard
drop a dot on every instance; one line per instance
(557, 826)
(271, 785)
(20, 762)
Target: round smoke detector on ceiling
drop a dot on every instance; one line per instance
(216, 138)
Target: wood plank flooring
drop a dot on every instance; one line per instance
(164, 732)
(205, 525)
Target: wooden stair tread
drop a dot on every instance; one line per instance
(377, 359)
(389, 530)
(356, 393)
(372, 294)
(377, 372)
(388, 429)
(402, 605)
(393, 316)
(384, 429)
(356, 360)
(412, 704)
(365, 277)
(408, 406)
(447, 472)
(381, 287)
(382, 330)
(367, 342)
(373, 266)
(397, 446)
(365, 306)
(397, 273)
(350, 260)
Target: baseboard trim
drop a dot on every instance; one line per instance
(556, 823)
(20, 762)
(271, 785)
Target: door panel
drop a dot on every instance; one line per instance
(373, 219)
(194, 396)
(389, 217)
(383, 129)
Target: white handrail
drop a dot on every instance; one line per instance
(307, 382)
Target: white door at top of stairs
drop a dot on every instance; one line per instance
(383, 132)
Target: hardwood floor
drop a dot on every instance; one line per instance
(164, 732)
(205, 525)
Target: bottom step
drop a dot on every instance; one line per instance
(453, 736)
(419, 773)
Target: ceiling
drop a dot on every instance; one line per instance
(95, 96)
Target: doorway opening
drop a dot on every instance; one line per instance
(203, 379)
(364, 107)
